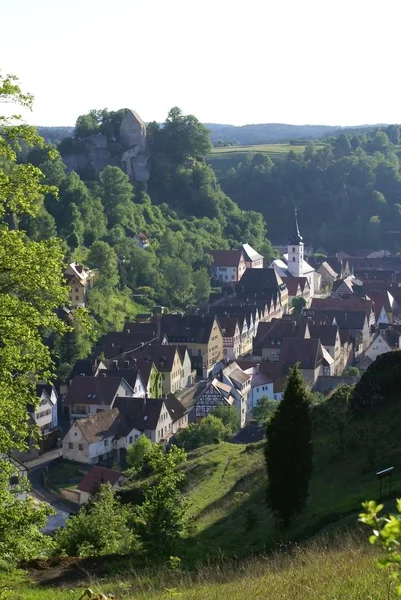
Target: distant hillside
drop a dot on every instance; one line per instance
(55, 134)
(264, 133)
(267, 133)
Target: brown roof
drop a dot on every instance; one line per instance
(293, 286)
(298, 350)
(138, 413)
(130, 375)
(343, 304)
(325, 333)
(187, 328)
(228, 325)
(93, 390)
(96, 477)
(145, 369)
(162, 355)
(259, 280)
(226, 258)
(274, 330)
(99, 426)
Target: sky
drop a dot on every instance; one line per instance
(331, 62)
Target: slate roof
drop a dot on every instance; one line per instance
(99, 426)
(226, 258)
(93, 390)
(307, 352)
(187, 328)
(96, 477)
(133, 328)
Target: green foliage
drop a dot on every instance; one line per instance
(208, 431)
(351, 372)
(264, 409)
(160, 520)
(386, 533)
(20, 520)
(298, 304)
(335, 186)
(138, 454)
(380, 383)
(228, 415)
(288, 450)
(100, 527)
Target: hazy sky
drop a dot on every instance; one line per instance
(225, 61)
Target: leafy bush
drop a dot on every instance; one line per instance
(209, 430)
(100, 527)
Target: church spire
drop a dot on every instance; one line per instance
(296, 237)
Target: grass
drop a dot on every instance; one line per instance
(66, 474)
(339, 566)
(230, 156)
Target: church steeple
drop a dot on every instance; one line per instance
(296, 237)
(296, 251)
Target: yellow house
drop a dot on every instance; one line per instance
(79, 280)
(167, 360)
(202, 336)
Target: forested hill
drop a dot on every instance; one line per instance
(348, 191)
(182, 211)
(264, 133)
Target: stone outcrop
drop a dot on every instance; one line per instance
(129, 150)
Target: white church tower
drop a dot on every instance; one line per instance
(296, 252)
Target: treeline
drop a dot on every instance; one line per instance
(183, 212)
(348, 192)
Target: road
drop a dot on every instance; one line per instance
(42, 494)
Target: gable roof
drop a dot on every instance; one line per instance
(93, 390)
(250, 254)
(226, 258)
(327, 334)
(82, 367)
(293, 286)
(129, 375)
(307, 352)
(325, 265)
(346, 320)
(138, 413)
(275, 329)
(228, 325)
(97, 427)
(343, 304)
(260, 280)
(96, 477)
(179, 328)
(162, 355)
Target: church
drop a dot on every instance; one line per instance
(293, 263)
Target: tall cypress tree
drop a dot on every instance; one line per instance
(288, 450)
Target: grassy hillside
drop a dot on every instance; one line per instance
(331, 567)
(229, 521)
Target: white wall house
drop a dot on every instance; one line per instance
(45, 414)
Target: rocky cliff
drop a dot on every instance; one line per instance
(128, 149)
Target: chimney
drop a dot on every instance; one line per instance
(257, 367)
(126, 363)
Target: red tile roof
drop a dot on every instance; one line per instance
(96, 477)
(226, 258)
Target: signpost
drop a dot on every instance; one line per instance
(385, 473)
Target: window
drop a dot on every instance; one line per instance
(293, 249)
(76, 297)
(70, 446)
(80, 447)
(293, 259)
(76, 289)
(136, 437)
(130, 439)
(232, 276)
(106, 442)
